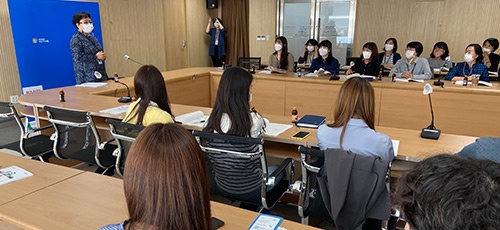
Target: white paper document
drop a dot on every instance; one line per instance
(266, 222)
(409, 80)
(93, 84)
(116, 110)
(395, 146)
(275, 129)
(479, 83)
(359, 75)
(197, 118)
(13, 173)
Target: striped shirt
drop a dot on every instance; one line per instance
(234, 174)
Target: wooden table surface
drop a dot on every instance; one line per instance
(46, 175)
(82, 200)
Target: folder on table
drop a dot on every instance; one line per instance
(310, 121)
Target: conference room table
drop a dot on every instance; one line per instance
(194, 89)
(57, 197)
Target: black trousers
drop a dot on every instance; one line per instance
(217, 62)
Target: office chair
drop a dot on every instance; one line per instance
(76, 137)
(310, 201)
(247, 62)
(238, 170)
(30, 144)
(352, 59)
(124, 134)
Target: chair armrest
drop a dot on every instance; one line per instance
(104, 143)
(42, 128)
(271, 178)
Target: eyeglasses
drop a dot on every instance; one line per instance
(86, 22)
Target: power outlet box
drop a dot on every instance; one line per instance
(13, 99)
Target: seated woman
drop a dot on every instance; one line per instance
(472, 65)
(368, 64)
(491, 59)
(153, 177)
(390, 56)
(438, 56)
(412, 67)
(232, 115)
(354, 126)
(281, 60)
(325, 63)
(310, 52)
(152, 105)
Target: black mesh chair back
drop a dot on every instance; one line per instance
(352, 59)
(310, 200)
(124, 134)
(30, 143)
(238, 170)
(247, 62)
(76, 137)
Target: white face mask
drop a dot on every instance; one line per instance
(323, 51)
(389, 47)
(409, 54)
(468, 58)
(88, 28)
(216, 24)
(487, 50)
(310, 48)
(278, 47)
(367, 54)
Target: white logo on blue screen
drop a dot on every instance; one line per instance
(40, 40)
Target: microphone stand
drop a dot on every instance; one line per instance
(126, 99)
(431, 132)
(438, 82)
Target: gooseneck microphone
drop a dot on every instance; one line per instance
(431, 132)
(126, 57)
(126, 99)
(438, 82)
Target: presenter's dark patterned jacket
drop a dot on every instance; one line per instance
(83, 52)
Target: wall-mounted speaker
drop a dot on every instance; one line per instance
(212, 4)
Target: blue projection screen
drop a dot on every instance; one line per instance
(42, 30)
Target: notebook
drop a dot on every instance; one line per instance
(310, 121)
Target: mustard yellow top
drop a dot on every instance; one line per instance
(153, 115)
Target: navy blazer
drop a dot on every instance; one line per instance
(222, 42)
(395, 58)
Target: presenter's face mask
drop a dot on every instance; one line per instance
(310, 48)
(216, 24)
(87, 28)
(278, 47)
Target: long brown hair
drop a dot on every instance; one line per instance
(165, 180)
(284, 52)
(149, 85)
(356, 98)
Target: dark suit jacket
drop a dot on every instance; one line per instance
(394, 59)
(353, 188)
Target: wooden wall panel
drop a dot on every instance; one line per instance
(197, 40)
(457, 22)
(9, 75)
(262, 22)
(135, 28)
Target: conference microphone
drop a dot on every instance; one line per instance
(126, 99)
(430, 132)
(438, 82)
(126, 57)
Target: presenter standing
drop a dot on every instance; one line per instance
(217, 48)
(88, 55)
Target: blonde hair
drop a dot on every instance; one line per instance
(356, 98)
